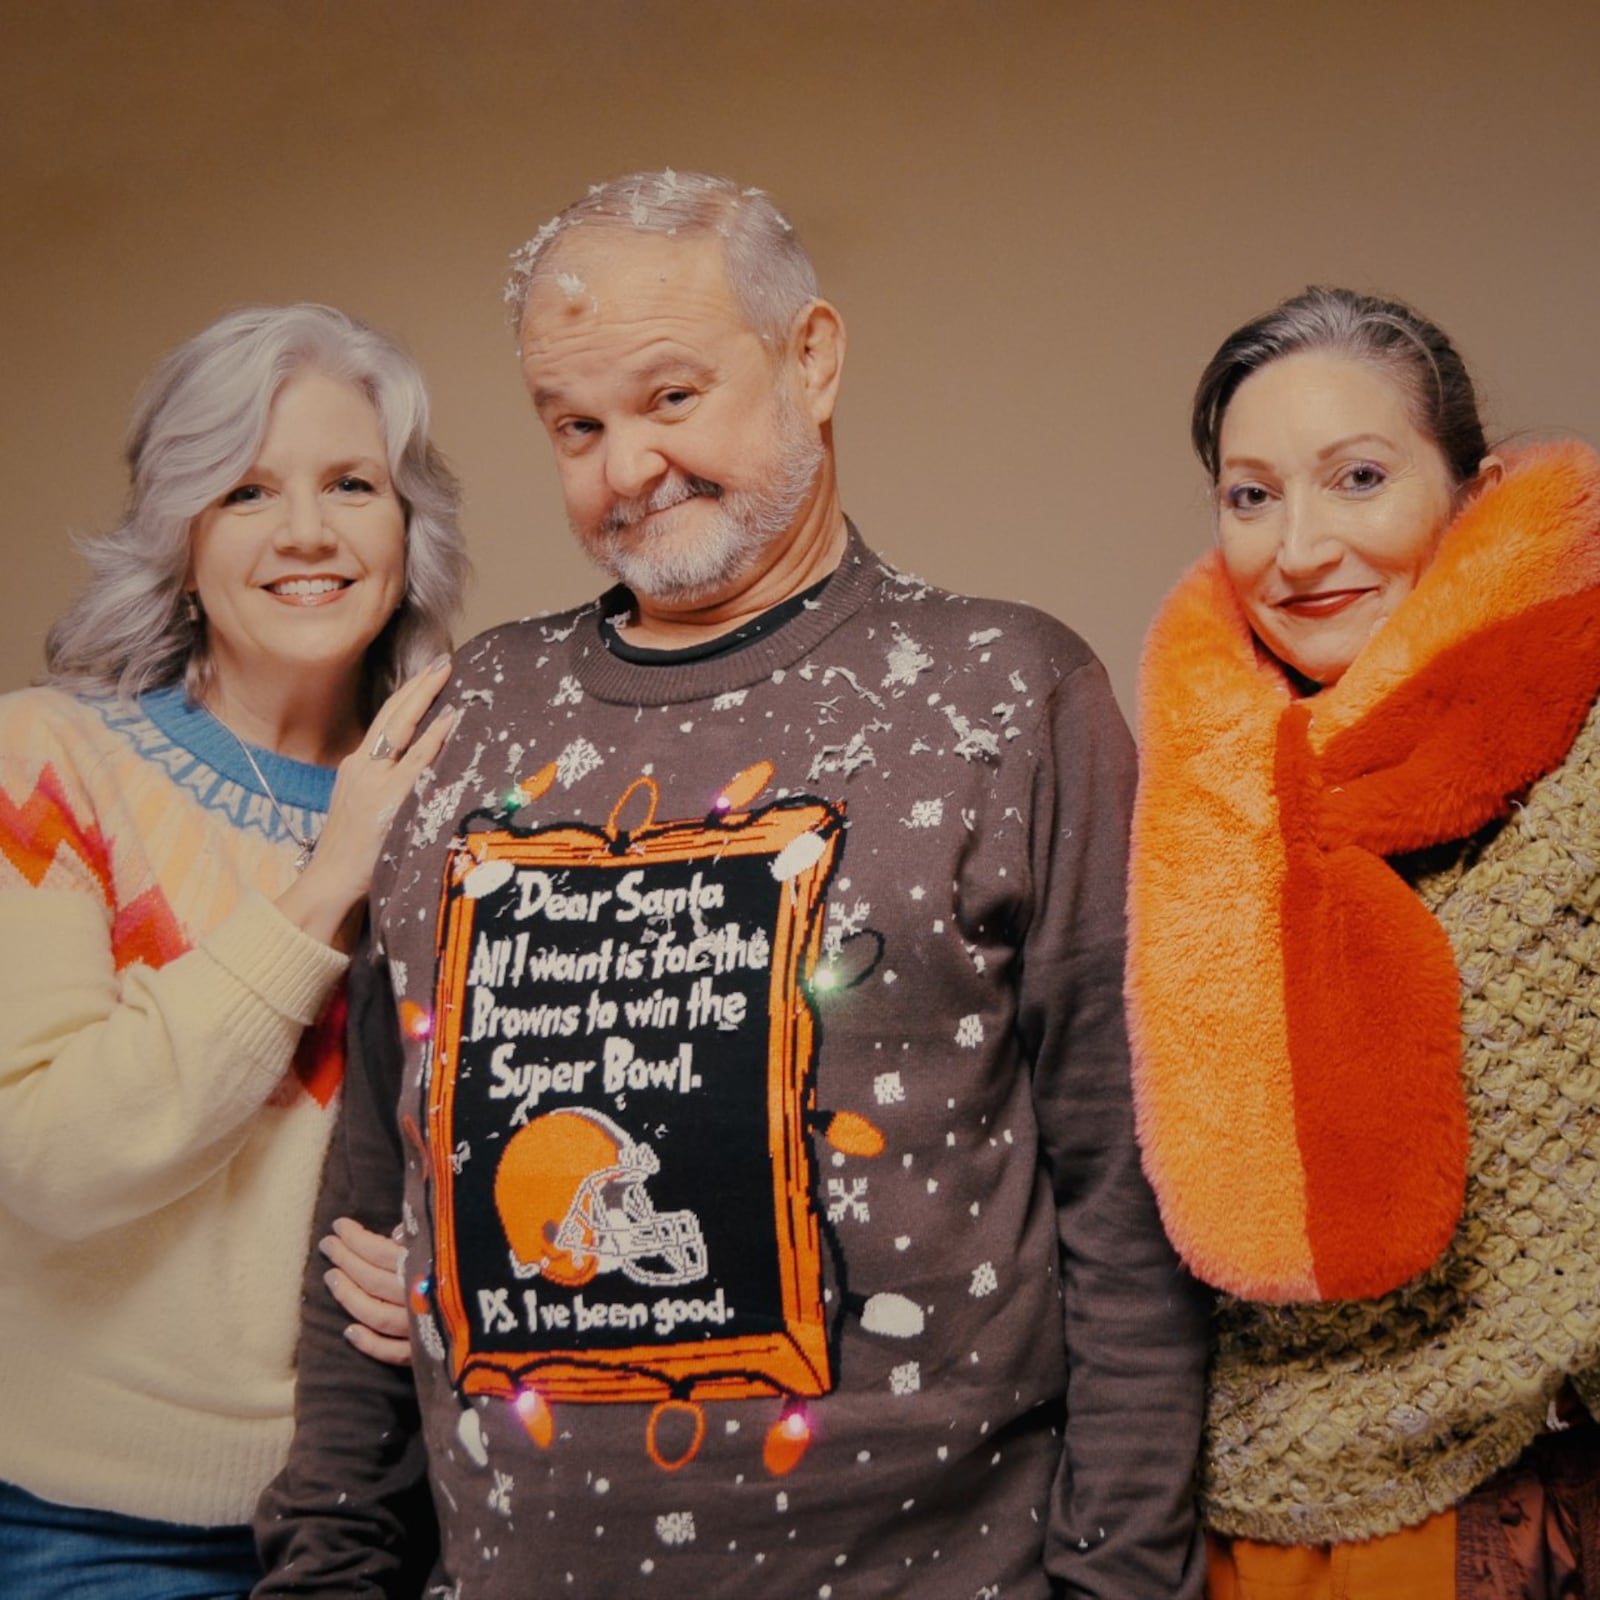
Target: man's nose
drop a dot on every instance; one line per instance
(634, 460)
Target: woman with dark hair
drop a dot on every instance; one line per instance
(1364, 973)
(190, 811)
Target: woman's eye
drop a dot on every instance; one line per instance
(349, 484)
(1365, 476)
(1246, 497)
(245, 494)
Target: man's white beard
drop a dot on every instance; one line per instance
(743, 523)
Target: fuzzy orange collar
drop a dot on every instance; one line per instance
(1294, 1008)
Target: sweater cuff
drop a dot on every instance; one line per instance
(288, 969)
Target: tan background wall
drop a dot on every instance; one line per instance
(1039, 218)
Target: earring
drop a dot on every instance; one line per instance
(191, 608)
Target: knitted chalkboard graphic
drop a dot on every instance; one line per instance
(619, 1103)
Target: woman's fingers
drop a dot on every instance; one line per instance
(392, 1352)
(373, 1260)
(366, 1280)
(396, 722)
(371, 785)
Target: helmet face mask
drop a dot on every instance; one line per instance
(613, 1218)
(571, 1195)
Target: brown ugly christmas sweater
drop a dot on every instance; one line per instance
(742, 1051)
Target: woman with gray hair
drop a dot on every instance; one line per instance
(190, 811)
(1364, 969)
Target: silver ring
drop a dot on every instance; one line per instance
(382, 749)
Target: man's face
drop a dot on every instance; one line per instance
(684, 450)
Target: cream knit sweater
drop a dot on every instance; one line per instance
(160, 1136)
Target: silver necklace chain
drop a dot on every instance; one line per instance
(306, 842)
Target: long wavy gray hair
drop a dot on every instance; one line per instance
(195, 432)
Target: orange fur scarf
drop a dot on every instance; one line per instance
(1294, 1008)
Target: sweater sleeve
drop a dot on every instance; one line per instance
(350, 1515)
(122, 1091)
(1122, 1519)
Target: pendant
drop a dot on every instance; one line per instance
(308, 848)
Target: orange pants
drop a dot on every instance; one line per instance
(1415, 1564)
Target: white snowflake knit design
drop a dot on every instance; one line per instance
(984, 1280)
(578, 760)
(906, 1378)
(887, 1089)
(925, 814)
(500, 1494)
(675, 1527)
(851, 1201)
(969, 1031)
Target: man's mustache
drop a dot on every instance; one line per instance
(664, 497)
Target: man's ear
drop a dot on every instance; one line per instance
(817, 348)
(1490, 471)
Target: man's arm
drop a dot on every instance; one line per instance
(1123, 1521)
(350, 1514)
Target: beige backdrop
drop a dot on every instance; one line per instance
(1038, 216)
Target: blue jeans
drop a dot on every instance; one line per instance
(51, 1552)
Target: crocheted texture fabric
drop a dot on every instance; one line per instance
(1352, 1419)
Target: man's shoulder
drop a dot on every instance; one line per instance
(977, 626)
(531, 641)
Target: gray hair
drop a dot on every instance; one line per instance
(769, 273)
(1387, 333)
(195, 432)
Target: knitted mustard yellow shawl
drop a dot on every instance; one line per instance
(1294, 1007)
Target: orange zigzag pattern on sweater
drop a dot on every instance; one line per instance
(32, 834)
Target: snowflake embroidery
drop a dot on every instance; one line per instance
(925, 814)
(569, 693)
(984, 1281)
(969, 1031)
(675, 1527)
(500, 1495)
(887, 1089)
(428, 1337)
(855, 683)
(442, 804)
(906, 660)
(843, 924)
(845, 758)
(906, 1378)
(972, 744)
(578, 760)
(848, 1197)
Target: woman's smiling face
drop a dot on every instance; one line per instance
(1330, 505)
(302, 562)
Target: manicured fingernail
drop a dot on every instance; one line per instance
(330, 1277)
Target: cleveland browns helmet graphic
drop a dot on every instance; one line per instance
(570, 1190)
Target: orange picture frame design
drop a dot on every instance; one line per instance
(792, 1361)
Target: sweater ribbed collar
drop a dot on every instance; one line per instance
(609, 677)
